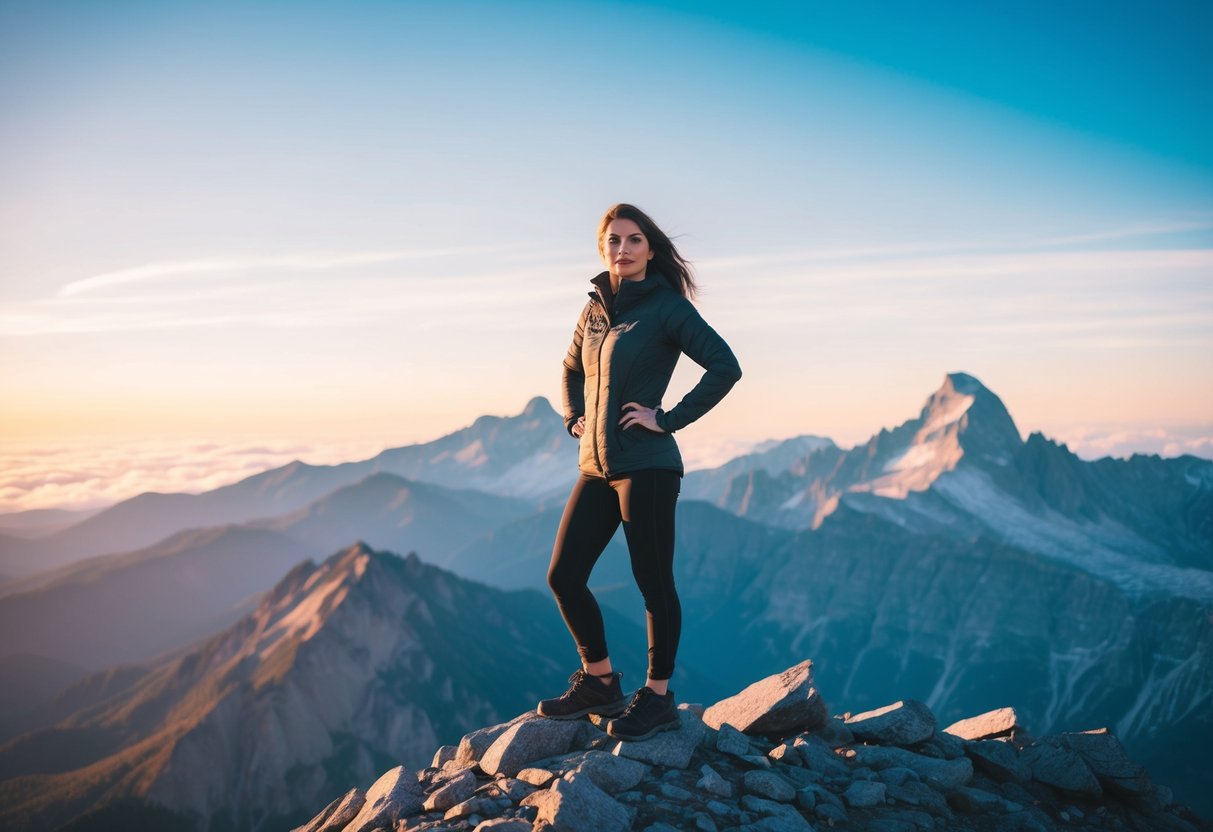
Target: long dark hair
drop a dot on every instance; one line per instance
(666, 260)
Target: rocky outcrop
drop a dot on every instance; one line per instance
(889, 770)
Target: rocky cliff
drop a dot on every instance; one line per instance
(768, 758)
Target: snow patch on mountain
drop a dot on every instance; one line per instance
(1058, 537)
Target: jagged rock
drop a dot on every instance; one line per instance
(527, 741)
(576, 805)
(456, 790)
(445, 754)
(903, 723)
(998, 723)
(897, 775)
(818, 756)
(998, 760)
(609, 772)
(473, 745)
(731, 741)
(916, 793)
(946, 774)
(506, 787)
(768, 784)
(713, 783)
(835, 732)
(704, 823)
(504, 825)
(1105, 756)
(672, 792)
(337, 815)
(540, 777)
(779, 705)
(942, 745)
(777, 816)
(864, 793)
(786, 753)
(474, 806)
(800, 777)
(394, 794)
(973, 801)
(672, 749)
(1055, 765)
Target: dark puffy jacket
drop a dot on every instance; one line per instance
(624, 350)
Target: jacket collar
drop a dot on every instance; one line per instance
(630, 291)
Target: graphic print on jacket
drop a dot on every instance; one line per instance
(624, 349)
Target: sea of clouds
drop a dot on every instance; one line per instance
(85, 475)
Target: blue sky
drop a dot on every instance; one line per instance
(317, 222)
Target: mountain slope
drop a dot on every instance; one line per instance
(390, 512)
(364, 661)
(130, 607)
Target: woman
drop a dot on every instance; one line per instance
(639, 319)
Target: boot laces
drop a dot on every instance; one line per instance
(637, 701)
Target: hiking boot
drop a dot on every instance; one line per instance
(587, 695)
(647, 714)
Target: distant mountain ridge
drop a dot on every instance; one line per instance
(960, 468)
(523, 457)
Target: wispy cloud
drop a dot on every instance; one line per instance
(180, 269)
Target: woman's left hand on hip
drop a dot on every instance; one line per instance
(646, 417)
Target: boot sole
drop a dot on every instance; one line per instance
(609, 709)
(665, 726)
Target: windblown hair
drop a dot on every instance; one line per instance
(666, 260)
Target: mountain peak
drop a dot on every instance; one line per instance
(537, 406)
(964, 383)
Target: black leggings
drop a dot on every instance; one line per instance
(644, 502)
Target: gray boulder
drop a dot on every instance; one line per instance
(1106, 757)
(768, 784)
(713, 783)
(944, 774)
(863, 794)
(998, 760)
(779, 706)
(456, 790)
(609, 772)
(998, 723)
(527, 741)
(1056, 765)
(444, 755)
(576, 805)
(337, 815)
(672, 749)
(818, 756)
(902, 723)
(504, 825)
(472, 746)
(393, 795)
(777, 817)
(731, 741)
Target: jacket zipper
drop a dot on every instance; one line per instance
(598, 398)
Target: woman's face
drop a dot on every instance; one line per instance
(625, 249)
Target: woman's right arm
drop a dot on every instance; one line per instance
(573, 377)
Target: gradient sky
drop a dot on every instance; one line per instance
(363, 224)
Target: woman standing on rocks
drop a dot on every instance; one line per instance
(637, 323)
